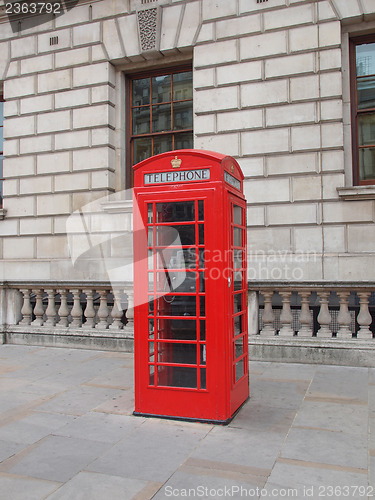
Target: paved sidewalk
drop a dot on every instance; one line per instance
(67, 433)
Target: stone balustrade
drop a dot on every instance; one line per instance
(342, 312)
(325, 323)
(52, 312)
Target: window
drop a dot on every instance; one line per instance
(161, 113)
(362, 57)
(1, 148)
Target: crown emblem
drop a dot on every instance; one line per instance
(176, 162)
(232, 168)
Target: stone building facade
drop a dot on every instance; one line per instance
(272, 86)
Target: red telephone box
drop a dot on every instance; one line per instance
(190, 287)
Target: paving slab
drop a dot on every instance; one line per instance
(326, 447)
(92, 486)
(313, 480)
(153, 451)
(59, 458)
(102, 427)
(14, 487)
(241, 447)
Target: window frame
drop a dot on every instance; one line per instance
(2, 154)
(129, 107)
(353, 43)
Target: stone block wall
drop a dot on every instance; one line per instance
(269, 89)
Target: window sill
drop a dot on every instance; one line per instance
(357, 193)
(118, 206)
(2, 213)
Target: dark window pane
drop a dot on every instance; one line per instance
(1, 113)
(175, 212)
(141, 121)
(237, 301)
(150, 305)
(366, 92)
(202, 324)
(238, 347)
(142, 149)
(152, 374)
(200, 210)
(175, 235)
(203, 378)
(238, 324)
(162, 144)
(365, 59)
(177, 305)
(237, 236)
(161, 118)
(177, 376)
(367, 164)
(184, 141)
(202, 302)
(366, 130)
(161, 89)
(151, 351)
(182, 115)
(202, 283)
(237, 212)
(203, 354)
(151, 328)
(201, 234)
(176, 258)
(183, 86)
(179, 353)
(177, 329)
(237, 259)
(239, 369)
(141, 92)
(174, 281)
(237, 280)
(150, 213)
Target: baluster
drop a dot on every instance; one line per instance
(324, 316)
(286, 316)
(103, 310)
(364, 318)
(253, 315)
(26, 310)
(268, 315)
(116, 311)
(343, 318)
(63, 311)
(76, 312)
(305, 315)
(51, 309)
(129, 327)
(38, 309)
(90, 310)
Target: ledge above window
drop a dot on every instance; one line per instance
(357, 193)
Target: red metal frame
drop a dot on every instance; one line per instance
(185, 363)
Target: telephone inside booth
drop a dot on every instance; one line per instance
(190, 287)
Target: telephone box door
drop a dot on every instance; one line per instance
(238, 302)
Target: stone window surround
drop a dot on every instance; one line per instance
(2, 211)
(350, 192)
(123, 72)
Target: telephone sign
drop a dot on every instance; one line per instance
(190, 287)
